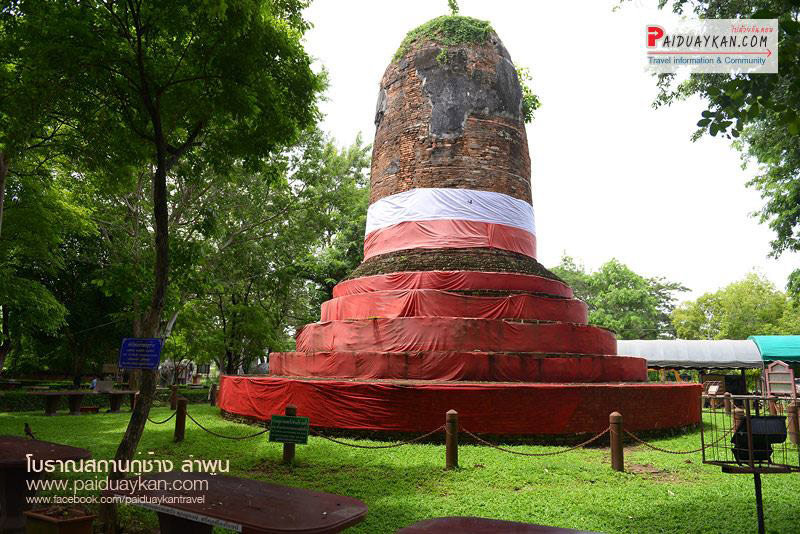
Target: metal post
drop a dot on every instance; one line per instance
(180, 419)
(451, 439)
(173, 398)
(617, 454)
(288, 448)
(212, 395)
(759, 503)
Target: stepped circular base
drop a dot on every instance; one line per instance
(405, 334)
(438, 303)
(483, 407)
(476, 366)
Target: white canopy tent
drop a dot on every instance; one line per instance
(693, 354)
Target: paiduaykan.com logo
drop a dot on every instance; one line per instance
(713, 45)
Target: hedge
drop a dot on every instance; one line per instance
(24, 401)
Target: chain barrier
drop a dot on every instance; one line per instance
(162, 422)
(418, 438)
(223, 436)
(704, 447)
(579, 445)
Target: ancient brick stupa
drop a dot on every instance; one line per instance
(450, 309)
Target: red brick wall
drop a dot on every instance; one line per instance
(490, 154)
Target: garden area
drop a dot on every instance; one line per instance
(657, 493)
(211, 270)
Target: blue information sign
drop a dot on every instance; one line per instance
(140, 353)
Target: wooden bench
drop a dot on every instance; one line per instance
(480, 525)
(240, 504)
(75, 399)
(15, 476)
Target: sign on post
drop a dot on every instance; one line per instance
(140, 353)
(288, 429)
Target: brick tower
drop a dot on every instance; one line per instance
(450, 308)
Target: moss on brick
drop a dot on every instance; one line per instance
(447, 30)
(452, 259)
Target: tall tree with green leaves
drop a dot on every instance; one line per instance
(760, 112)
(752, 306)
(165, 84)
(634, 306)
(39, 215)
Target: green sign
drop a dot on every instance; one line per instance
(288, 429)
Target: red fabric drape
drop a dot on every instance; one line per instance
(448, 234)
(520, 408)
(454, 281)
(455, 334)
(436, 303)
(478, 366)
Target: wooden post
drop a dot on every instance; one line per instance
(212, 395)
(180, 419)
(617, 454)
(173, 398)
(288, 448)
(738, 415)
(451, 439)
(728, 403)
(793, 422)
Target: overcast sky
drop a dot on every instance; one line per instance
(612, 177)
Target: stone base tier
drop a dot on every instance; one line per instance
(405, 334)
(437, 303)
(489, 408)
(474, 366)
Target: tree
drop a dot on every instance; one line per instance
(760, 112)
(453, 5)
(751, 306)
(95, 320)
(633, 306)
(274, 248)
(39, 214)
(170, 83)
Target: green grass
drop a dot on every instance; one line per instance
(408, 484)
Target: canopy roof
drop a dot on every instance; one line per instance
(785, 348)
(698, 354)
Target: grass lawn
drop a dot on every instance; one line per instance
(666, 493)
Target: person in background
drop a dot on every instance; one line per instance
(94, 382)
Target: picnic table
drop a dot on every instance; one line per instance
(75, 398)
(240, 504)
(480, 525)
(14, 474)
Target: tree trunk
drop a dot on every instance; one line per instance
(3, 174)
(150, 327)
(5, 338)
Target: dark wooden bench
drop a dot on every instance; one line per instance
(480, 525)
(75, 399)
(14, 475)
(248, 506)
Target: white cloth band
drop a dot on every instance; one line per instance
(433, 204)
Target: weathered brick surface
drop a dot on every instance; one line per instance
(451, 120)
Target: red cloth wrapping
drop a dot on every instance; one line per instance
(453, 281)
(454, 334)
(448, 234)
(436, 303)
(478, 366)
(519, 408)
